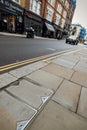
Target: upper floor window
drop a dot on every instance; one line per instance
(62, 23)
(64, 14)
(35, 6)
(49, 14)
(63, 1)
(66, 4)
(59, 9)
(52, 2)
(57, 20)
(17, 1)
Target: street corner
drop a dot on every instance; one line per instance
(45, 79)
(30, 93)
(56, 117)
(68, 95)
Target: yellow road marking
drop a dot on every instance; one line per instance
(13, 65)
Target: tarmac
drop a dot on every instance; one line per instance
(50, 94)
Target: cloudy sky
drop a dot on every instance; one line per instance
(80, 15)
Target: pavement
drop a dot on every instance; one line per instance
(22, 35)
(50, 94)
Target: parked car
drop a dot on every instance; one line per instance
(85, 43)
(72, 40)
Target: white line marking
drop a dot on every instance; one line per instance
(51, 49)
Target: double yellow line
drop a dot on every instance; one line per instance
(21, 63)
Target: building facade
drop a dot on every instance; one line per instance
(11, 16)
(49, 18)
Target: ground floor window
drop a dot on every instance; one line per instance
(10, 23)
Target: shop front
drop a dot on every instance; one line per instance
(58, 32)
(11, 17)
(33, 20)
(48, 30)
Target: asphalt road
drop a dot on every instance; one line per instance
(14, 49)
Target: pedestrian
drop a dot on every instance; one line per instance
(11, 27)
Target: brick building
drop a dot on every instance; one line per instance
(49, 18)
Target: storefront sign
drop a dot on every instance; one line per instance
(11, 6)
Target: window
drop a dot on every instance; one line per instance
(35, 6)
(59, 9)
(52, 2)
(17, 1)
(57, 20)
(49, 14)
(64, 14)
(66, 4)
(63, 1)
(62, 23)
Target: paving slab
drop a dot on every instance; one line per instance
(68, 95)
(81, 66)
(80, 78)
(70, 57)
(23, 71)
(20, 72)
(6, 79)
(82, 108)
(55, 117)
(7, 122)
(46, 79)
(15, 110)
(64, 62)
(59, 71)
(30, 93)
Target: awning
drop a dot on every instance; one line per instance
(50, 27)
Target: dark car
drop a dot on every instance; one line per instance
(72, 40)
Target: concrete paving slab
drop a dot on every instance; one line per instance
(80, 78)
(23, 71)
(6, 79)
(68, 95)
(81, 66)
(70, 57)
(82, 108)
(18, 111)
(55, 117)
(20, 72)
(46, 79)
(7, 122)
(64, 62)
(30, 93)
(82, 54)
(59, 71)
